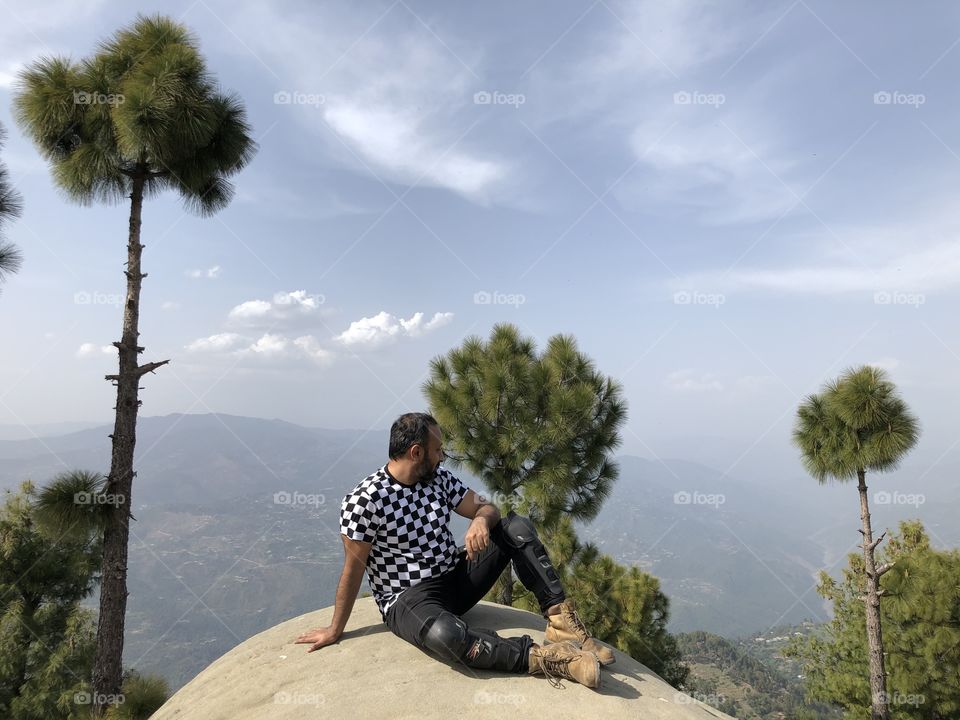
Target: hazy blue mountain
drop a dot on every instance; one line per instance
(236, 530)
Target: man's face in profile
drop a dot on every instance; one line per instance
(432, 457)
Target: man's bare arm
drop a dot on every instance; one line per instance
(484, 516)
(354, 564)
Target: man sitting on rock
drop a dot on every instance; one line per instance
(395, 523)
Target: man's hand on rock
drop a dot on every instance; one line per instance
(477, 537)
(319, 638)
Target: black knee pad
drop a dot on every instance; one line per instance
(533, 566)
(519, 529)
(449, 637)
(446, 635)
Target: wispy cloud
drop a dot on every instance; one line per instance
(923, 270)
(389, 92)
(710, 161)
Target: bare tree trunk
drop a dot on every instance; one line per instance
(108, 660)
(879, 705)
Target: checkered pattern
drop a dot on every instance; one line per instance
(407, 526)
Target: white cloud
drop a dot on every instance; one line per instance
(294, 307)
(250, 310)
(309, 345)
(91, 349)
(384, 328)
(396, 140)
(211, 273)
(221, 342)
(270, 345)
(688, 380)
(170, 305)
(392, 94)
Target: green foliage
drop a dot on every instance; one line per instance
(50, 554)
(74, 505)
(858, 422)
(10, 207)
(921, 628)
(46, 638)
(620, 605)
(536, 428)
(142, 107)
(142, 696)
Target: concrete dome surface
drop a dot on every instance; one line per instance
(371, 673)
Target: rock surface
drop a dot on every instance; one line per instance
(371, 673)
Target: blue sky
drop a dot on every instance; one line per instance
(726, 203)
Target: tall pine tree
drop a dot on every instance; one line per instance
(140, 116)
(537, 429)
(921, 621)
(859, 423)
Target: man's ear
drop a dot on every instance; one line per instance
(415, 453)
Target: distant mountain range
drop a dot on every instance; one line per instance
(237, 530)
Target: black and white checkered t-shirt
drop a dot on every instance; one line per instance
(407, 526)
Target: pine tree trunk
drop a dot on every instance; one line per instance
(879, 705)
(108, 660)
(505, 596)
(27, 636)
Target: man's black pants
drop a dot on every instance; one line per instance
(428, 614)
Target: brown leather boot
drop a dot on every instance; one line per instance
(566, 625)
(565, 660)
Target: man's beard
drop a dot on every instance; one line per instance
(426, 471)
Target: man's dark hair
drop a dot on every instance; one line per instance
(408, 430)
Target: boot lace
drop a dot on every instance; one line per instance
(554, 669)
(573, 619)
